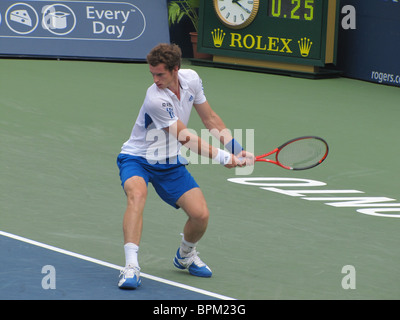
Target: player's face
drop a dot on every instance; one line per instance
(162, 77)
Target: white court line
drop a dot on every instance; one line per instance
(113, 266)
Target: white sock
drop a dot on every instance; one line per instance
(131, 254)
(186, 247)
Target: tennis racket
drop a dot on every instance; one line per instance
(298, 154)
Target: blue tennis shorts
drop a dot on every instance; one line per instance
(170, 181)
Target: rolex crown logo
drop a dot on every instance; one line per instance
(218, 37)
(305, 46)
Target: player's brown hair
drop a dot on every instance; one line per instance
(169, 54)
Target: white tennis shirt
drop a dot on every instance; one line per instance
(160, 109)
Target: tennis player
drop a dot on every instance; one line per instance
(152, 154)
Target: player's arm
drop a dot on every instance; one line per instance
(214, 123)
(196, 144)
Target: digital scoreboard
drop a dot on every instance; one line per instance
(298, 35)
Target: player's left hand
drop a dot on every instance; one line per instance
(246, 158)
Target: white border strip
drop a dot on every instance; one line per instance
(113, 266)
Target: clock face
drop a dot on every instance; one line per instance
(236, 14)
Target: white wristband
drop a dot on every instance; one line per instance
(223, 157)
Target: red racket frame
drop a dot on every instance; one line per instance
(262, 157)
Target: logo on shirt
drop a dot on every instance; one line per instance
(168, 107)
(191, 98)
(171, 112)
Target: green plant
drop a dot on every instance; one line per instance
(178, 9)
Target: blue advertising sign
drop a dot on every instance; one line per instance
(369, 50)
(82, 29)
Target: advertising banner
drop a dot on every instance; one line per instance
(368, 50)
(283, 31)
(109, 30)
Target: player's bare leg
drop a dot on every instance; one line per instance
(195, 206)
(136, 194)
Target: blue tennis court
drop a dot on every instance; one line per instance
(76, 277)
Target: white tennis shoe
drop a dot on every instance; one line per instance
(129, 278)
(193, 263)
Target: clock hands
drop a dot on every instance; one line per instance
(240, 5)
(237, 14)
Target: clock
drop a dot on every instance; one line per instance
(236, 14)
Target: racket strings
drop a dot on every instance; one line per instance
(302, 154)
